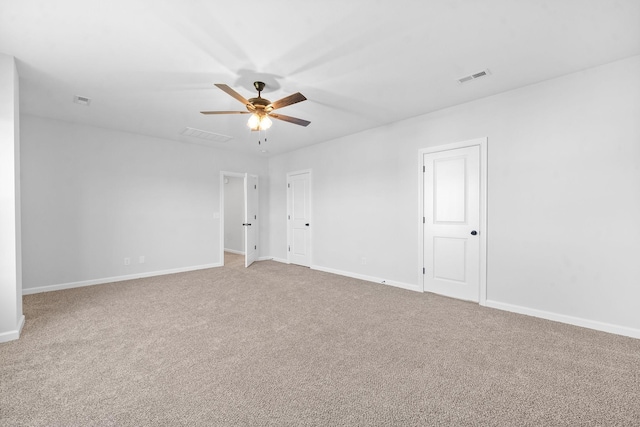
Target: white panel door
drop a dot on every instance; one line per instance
(299, 218)
(451, 223)
(250, 219)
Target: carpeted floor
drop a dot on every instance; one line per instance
(281, 345)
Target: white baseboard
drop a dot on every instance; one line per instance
(368, 278)
(49, 288)
(233, 251)
(13, 335)
(563, 318)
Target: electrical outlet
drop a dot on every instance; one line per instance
(127, 261)
(141, 259)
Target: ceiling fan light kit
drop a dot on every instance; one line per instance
(259, 122)
(261, 109)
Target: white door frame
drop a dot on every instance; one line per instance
(222, 175)
(289, 175)
(483, 232)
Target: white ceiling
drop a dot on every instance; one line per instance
(149, 66)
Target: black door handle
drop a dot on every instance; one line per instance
(473, 233)
(246, 224)
(307, 224)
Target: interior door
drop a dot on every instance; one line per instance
(250, 219)
(451, 223)
(299, 218)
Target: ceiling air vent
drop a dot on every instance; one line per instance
(473, 76)
(205, 135)
(82, 100)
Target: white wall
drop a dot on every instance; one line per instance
(92, 197)
(563, 208)
(11, 318)
(234, 214)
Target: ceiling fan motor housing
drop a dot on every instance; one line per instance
(259, 105)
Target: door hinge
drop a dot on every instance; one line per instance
(255, 217)
(424, 169)
(289, 248)
(424, 271)
(288, 216)
(255, 247)
(255, 187)
(288, 185)
(424, 221)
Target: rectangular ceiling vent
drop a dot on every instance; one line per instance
(474, 76)
(82, 100)
(203, 134)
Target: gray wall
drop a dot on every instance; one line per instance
(563, 204)
(92, 197)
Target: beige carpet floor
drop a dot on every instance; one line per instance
(281, 345)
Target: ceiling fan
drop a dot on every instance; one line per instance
(261, 108)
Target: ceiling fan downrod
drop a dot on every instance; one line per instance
(259, 87)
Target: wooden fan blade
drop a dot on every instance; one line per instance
(232, 92)
(290, 119)
(224, 112)
(288, 100)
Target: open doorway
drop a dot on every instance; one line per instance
(239, 218)
(234, 215)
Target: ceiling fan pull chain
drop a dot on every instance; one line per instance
(265, 136)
